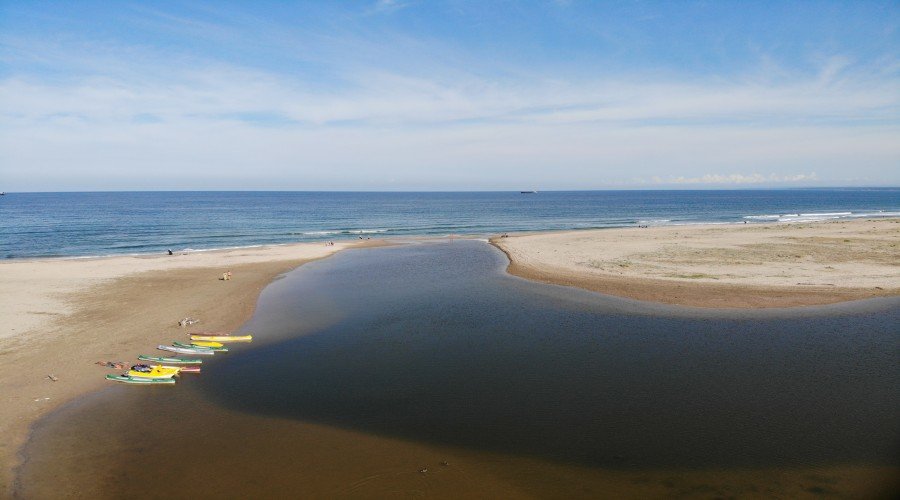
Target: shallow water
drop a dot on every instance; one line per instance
(375, 363)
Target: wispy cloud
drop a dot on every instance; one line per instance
(419, 110)
(390, 5)
(182, 90)
(755, 178)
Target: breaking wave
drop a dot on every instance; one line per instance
(818, 216)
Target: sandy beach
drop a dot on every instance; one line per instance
(61, 316)
(742, 266)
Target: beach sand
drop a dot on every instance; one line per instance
(61, 316)
(743, 266)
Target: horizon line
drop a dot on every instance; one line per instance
(520, 191)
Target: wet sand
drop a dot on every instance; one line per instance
(741, 266)
(341, 463)
(61, 316)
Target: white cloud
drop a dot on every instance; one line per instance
(390, 5)
(136, 119)
(188, 93)
(754, 178)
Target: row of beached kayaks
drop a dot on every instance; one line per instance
(163, 370)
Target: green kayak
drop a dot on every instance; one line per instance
(192, 346)
(140, 380)
(170, 361)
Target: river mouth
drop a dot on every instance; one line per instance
(429, 356)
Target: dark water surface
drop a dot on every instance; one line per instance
(434, 345)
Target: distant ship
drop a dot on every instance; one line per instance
(528, 192)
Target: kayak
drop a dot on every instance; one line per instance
(135, 380)
(222, 338)
(170, 361)
(194, 345)
(206, 343)
(186, 350)
(205, 348)
(185, 369)
(155, 372)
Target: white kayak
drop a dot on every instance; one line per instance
(186, 350)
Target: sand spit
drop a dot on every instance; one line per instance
(743, 266)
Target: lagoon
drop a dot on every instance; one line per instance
(376, 364)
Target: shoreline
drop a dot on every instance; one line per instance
(349, 459)
(753, 266)
(67, 314)
(747, 221)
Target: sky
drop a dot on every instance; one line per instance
(452, 95)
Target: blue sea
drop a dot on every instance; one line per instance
(114, 223)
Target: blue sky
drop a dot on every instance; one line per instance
(457, 95)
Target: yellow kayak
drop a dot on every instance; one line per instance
(158, 371)
(207, 343)
(221, 338)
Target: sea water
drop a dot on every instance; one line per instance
(108, 223)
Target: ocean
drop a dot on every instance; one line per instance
(114, 223)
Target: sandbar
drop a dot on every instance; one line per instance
(719, 266)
